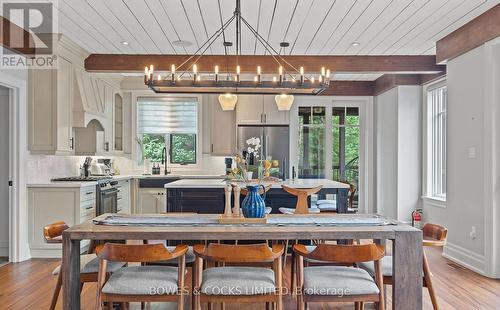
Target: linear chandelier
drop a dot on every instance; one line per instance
(190, 80)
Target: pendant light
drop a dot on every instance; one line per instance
(284, 102)
(228, 101)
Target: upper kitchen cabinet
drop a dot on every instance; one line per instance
(118, 120)
(222, 129)
(259, 109)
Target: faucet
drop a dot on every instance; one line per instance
(164, 160)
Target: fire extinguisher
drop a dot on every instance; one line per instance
(416, 218)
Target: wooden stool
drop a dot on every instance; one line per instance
(302, 195)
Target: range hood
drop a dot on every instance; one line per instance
(88, 99)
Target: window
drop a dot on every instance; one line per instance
(436, 142)
(170, 123)
(311, 140)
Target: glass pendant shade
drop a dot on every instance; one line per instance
(228, 101)
(284, 102)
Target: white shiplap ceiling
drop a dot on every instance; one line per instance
(382, 27)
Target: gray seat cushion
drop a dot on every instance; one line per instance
(386, 266)
(143, 280)
(338, 281)
(237, 281)
(89, 263)
(292, 210)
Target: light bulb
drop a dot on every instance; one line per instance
(281, 70)
(159, 77)
(312, 79)
(146, 70)
(172, 69)
(195, 68)
(274, 79)
(198, 78)
(255, 79)
(216, 69)
(238, 69)
(258, 70)
(301, 70)
(320, 78)
(328, 73)
(322, 70)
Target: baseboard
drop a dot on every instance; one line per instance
(464, 257)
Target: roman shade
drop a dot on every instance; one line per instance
(167, 115)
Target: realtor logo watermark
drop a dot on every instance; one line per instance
(29, 40)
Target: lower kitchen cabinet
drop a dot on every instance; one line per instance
(48, 205)
(123, 197)
(151, 201)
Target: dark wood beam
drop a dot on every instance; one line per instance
(389, 81)
(10, 32)
(349, 88)
(249, 63)
(471, 35)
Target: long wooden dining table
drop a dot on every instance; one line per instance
(406, 243)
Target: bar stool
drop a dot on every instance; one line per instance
(433, 236)
(141, 283)
(89, 263)
(241, 284)
(302, 195)
(340, 283)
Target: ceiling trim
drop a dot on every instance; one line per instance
(481, 29)
(338, 64)
(7, 29)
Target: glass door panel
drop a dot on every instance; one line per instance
(311, 140)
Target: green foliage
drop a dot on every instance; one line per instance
(152, 146)
(183, 148)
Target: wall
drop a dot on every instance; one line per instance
(4, 171)
(398, 155)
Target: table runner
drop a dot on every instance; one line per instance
(212, 220)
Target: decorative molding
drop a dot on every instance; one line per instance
(481, 29)
(464, 257)
(248, 63)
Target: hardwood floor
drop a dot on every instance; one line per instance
(29, 285)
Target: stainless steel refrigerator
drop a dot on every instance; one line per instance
(275, 140)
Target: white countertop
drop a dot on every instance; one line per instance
(220, 183)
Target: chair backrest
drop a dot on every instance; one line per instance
(302, 194)
(52, 233)
(434, 234)
(245, 253)
(136, 253)
(347, 254)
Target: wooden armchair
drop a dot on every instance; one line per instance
(141, 283)
(339, 283)
(241, 284)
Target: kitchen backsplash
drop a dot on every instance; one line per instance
(42, 168)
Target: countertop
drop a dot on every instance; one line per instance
(124, 177)
(220, 183)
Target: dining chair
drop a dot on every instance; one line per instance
(141, 283)
(339, 283)
(433, 236)
(302, 205)
(239, 284)
(89, 263)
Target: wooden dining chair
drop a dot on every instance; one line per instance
(302, 194)
(433, 236)
(339, 283)
(141, 283)
(239, 284)
(89, 263)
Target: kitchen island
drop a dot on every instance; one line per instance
(207, 196)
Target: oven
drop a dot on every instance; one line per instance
(107, 197)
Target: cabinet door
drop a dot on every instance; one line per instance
(271, 113)
(149, 202)
(64, 106)
(222, 131)
(109, 126)
(249, 109)
(118, 122)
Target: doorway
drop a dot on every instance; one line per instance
(4, 174)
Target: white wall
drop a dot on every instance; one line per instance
(4, 171)
(398, 156)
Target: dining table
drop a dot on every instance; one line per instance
(406, 241)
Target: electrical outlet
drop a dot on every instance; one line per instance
(472, 152)
(472, 233)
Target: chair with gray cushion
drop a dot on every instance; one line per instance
(141, 283)
(339, 283)
(89, 263)
(241, 284)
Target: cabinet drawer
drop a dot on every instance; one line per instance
(87, 193)
(87, 207)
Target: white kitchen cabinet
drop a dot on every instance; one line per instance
(118, 122)
(151, 201)
(222, 130)
(123, 197)
(259, 109)
(249, 109)
(47, 205)
(50, 95)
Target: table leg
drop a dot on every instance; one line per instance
(342, 194)
(71, 273)
(407, 270)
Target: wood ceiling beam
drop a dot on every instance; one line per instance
(389, 81)
(349, 88)
(481, 29)
(249, 63)
(10, 32)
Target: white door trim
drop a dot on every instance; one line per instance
(18, 244)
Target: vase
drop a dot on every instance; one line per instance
(254, 206)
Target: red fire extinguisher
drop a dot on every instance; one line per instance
(416, 218)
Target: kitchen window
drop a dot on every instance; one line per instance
(171, 123)
(436, 142)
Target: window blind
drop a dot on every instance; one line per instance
(167, 115)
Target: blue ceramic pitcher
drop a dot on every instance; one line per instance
(254, 206)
